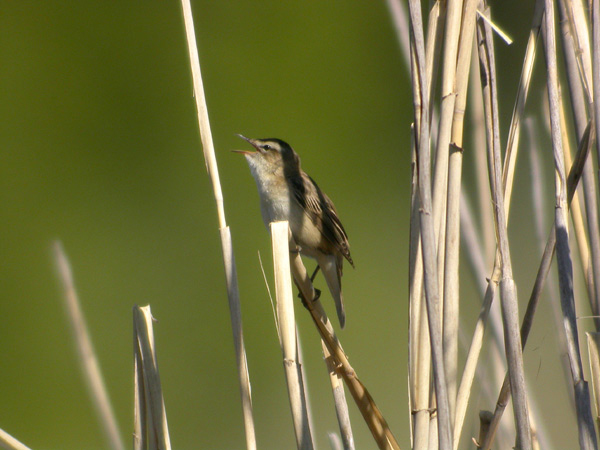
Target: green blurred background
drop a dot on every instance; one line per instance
(100, 149)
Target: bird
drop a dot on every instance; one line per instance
(287, 193)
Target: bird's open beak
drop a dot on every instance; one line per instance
(252, 142)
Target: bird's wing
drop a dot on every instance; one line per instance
(314, 201)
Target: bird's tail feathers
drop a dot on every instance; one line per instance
(332, 277)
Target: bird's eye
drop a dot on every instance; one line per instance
(267, 147)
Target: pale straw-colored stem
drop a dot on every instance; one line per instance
(419, 348)
(512, 144)
(508, 177)
(233, 294)
(151, 428)
(428, 245)
(447, 178)
(287, 329)
(452, 32)
(587, 432)
(595, 13)
(508, 295)
(482, 191)
(451, 41)
(593, 340)
(578, 219)
(450, 244)
(464, 390)
(433, 48)
(90, 367)
(10, 443)
(578, 69)
(339, 399)
(574, 177)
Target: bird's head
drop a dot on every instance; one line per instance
(271, 155)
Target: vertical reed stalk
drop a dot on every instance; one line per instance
(432, 298)
(233, 294)
(287, 329)
(508, 295)
(587, 433)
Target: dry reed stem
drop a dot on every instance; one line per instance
(432, 298)
(512, 145)
(587, 433)
(442, 156)
(90, 368)
(546, 261)
(226, 244)
(154, 431)
(287, 329)
(451, 248)
(595, 11)
(552, 290)
(435, 33)
(577, 213)
(448, 96)
(578, 68)
(473, 252)
(593, 340)
(10, 443)
(419, 357)
(477, 127)
(366, 405)
(140, 413)
(508, 294)
(339, 399)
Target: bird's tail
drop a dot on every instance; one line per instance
(332, 273)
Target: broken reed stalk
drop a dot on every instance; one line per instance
(428, 245)
(226, 244)
(587, 432)
(508, 294)
(287, 330)
(365, 403)
(151, 431)
(90, 368)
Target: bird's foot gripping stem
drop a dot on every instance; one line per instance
(315, 298)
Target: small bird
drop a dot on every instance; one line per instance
(288, 193)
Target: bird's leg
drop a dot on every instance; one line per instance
(312, 278)
(317, 291)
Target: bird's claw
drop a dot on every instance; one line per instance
(315, 298)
